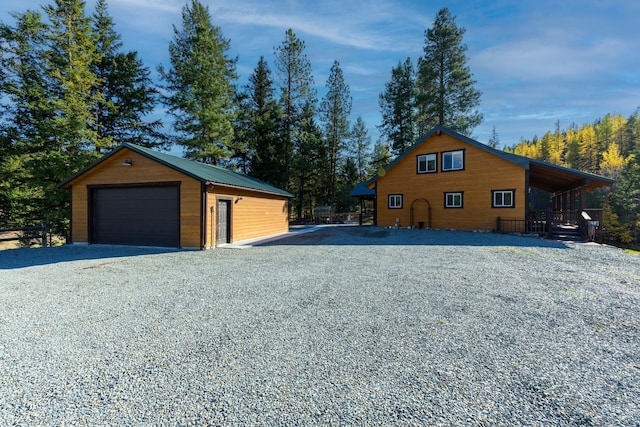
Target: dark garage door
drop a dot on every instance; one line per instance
(145, 216)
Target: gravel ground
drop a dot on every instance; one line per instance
(343, 326)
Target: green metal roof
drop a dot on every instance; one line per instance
(199, 171)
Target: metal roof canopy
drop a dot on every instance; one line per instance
(554, 179)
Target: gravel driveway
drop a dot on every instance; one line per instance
(343, 326)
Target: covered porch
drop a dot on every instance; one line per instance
(567, 214)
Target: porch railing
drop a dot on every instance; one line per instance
(589, 222)
(531, 226)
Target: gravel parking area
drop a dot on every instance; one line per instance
(342, 326)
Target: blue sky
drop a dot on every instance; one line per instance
(534, 62)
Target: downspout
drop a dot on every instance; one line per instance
(527, 196)
(203, 216)
(212, 213)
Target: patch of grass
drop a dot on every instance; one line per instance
(631, 251)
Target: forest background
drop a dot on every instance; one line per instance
(71, 92)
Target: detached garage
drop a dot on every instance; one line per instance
(137, 196)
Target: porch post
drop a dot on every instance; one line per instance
(583, 198)
(572, 206)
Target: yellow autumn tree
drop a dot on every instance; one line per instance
(612, 161)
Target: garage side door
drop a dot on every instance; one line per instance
(144, 216)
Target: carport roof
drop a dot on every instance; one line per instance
(199, 171)
(542, 175)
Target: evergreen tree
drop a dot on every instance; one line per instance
(631, 133)
(71, 54)
(334, 112)
(309, 165)
(49, 83)
(347, 179)
(625, 200)
(296, 87)
(263, 128)
(494, 139)
(381, 157)
(127, 92)
(26, 117)
(446, 95)
(397, 105)
(200, 86)
(360, 149)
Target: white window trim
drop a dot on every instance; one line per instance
(452, 154)
(433, 156)
(396, 198)
(453, 194)
(494, 193)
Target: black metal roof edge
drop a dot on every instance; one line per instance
(158, 157)
(510, 157)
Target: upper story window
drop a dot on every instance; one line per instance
(427, 163)
(503, 198)
(453, 160)
(395, 201)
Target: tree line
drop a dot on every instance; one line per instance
(70, 92)
(610, 147)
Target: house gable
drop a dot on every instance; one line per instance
(458, 194)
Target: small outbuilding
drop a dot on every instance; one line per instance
(137, 196)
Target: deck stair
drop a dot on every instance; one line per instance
(567, 232)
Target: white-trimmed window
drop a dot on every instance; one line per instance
(427, 163)
(503, 198)
(453, 160)
(453, 200)
(395, 201)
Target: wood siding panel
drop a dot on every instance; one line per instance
(143, 170)
(253, 214)
(483, 172)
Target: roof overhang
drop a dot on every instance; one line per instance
(553, 178)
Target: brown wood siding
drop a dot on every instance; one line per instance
(143, 170)
(255, 215)
(483, 172)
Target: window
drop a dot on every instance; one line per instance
(453, 160)
(395, 201)
(453, 200)
(503, 198)
(427, 163)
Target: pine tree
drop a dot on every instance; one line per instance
(397, 105)
(309, 164)
(494, 139)
(296, 91)
(71, 53)
(446, 95)
(263, 128)
(127, 92)
(381, 157)
(200, 86)
(26, 117)
(625, 201)
(49, 82)
(360, 149)
(631, 133)
(335, 109)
